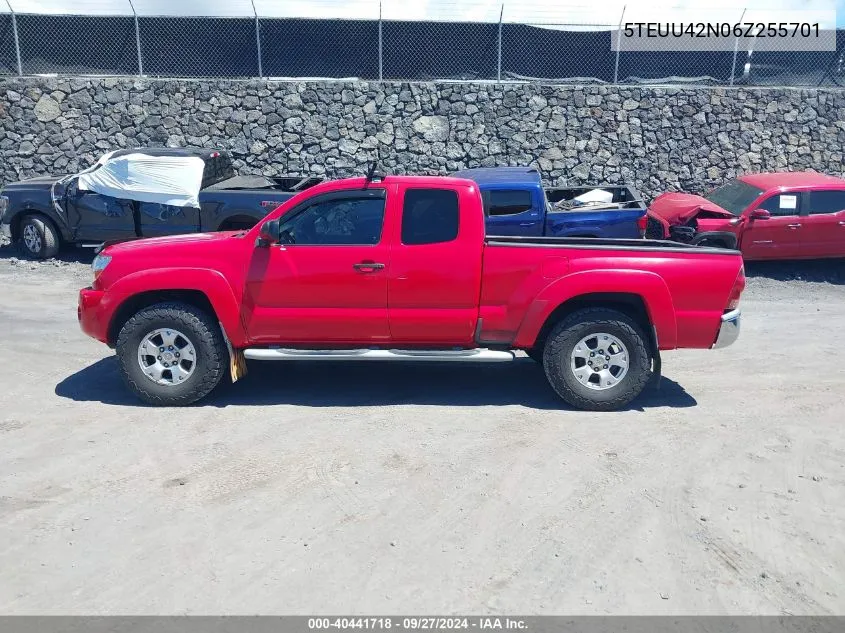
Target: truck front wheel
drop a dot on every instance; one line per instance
(38, 238)
(597, 359)
(171, 354)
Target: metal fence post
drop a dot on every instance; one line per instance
(618, 45)
(380, 47)
(257, 41)
(499, 72)
(17, 41)
(137, 40)
(736, 48)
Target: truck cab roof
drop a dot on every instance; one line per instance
(794, 180)
(360, 182)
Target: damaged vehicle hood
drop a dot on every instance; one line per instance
(39, 183)
(680, 208)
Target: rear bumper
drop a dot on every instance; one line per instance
(728, 330)
(6, 229)
(90, 314)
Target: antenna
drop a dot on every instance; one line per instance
(373, 173)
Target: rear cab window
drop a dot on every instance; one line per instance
(507, 202)
(430, 216)
(830, 201)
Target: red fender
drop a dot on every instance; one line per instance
(210, 282)
(647, 285)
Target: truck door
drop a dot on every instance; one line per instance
(164, 219)
(778, 237)
(513, 212)
(326, 281)
(434, 279)
(824, 225)
(98, 218)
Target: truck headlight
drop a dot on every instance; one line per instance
(99, 264)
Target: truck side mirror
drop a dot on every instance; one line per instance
(760, 214)
(269, 233)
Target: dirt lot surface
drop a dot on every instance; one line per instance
(412, 489)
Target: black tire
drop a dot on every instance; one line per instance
(569, 332)
(38, 238)
(212, 357)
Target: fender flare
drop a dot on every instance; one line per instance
(648, 286)
(234, 213)
(211, 283)
(32, 209)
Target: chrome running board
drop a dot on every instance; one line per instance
(462, 355)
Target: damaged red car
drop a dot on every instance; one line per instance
(794, 215)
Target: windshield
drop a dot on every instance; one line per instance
(735, 196)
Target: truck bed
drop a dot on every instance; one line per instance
(279, 183)
(601, 243)
(621, 193)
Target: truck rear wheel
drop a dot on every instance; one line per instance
(38, 238)
(171, 354)
(597, 359)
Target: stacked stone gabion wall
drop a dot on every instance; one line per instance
(655, 138)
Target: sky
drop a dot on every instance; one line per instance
(579, 12)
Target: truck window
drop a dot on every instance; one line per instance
(509, 202)
(340, 221)
(826, 202)
(430, 216)
(783, 204)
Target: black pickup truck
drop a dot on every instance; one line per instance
(137, 193)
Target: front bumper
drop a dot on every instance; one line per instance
(6, 229)
(728, 330)
(90, 314)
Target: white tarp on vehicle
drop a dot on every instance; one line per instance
(169, 180)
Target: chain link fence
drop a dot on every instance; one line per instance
(380, 49)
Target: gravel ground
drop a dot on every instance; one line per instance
(403, 488)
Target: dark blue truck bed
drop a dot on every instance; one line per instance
(516, 203)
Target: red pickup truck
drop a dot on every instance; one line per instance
(789, 215)
(398, 268)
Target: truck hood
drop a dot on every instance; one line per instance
(41, 182)
(154, 242)
(680, 208)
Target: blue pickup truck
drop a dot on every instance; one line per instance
(516, 203)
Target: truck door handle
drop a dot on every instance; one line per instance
(527, 223)
(367, 267)
(794, 226)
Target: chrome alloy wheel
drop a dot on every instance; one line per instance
(167, 357)
(31, 239)
(599, 361)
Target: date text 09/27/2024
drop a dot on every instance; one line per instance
(416, 623)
